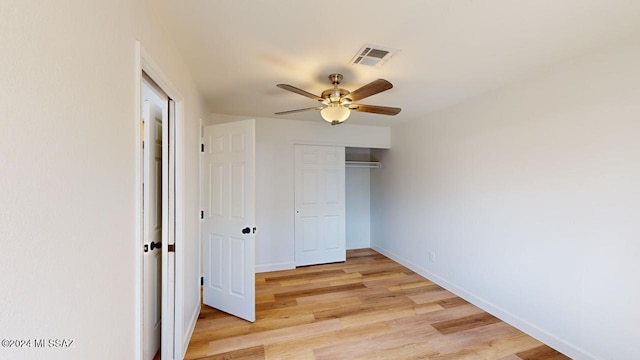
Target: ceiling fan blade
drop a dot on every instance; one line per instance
(299, 110)
(300, 91)
(371, 88)
(384, 110)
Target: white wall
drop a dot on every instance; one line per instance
(275, 139)
(529, 197)
(357, 206)
(358, 201)
(67, 157)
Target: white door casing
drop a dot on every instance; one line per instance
(319, 204)
(154, 113)
(229, 218)
(169, 337)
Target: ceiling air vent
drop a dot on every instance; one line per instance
(373, 55)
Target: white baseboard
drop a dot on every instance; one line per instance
(557, 343)
(275, 267)
(191, 327)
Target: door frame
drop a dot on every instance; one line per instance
(170, 317)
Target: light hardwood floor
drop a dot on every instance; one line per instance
(369, 307)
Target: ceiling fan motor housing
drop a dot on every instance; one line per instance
(335, 79)
(335, 94)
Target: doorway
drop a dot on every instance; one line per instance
(359, 164)
(169, 214)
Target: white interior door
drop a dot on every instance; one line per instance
(319, 204)
(229, 218)
(154, 114)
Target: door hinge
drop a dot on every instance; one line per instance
(201, 214)
(201, 147)
(171, 248)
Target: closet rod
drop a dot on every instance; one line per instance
(363, 164)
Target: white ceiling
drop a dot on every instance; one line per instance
(238, 50)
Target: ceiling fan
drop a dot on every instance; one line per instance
(338, 103)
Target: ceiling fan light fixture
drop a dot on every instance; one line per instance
(340, 102)
(335, 114)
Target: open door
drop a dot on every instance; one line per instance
(154, 116)
(228, 225)
(158, 217)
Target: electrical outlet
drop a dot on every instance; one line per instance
(432, 256)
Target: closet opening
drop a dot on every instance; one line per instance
(359, 165)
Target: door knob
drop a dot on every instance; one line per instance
(246, 230)
(157, 245)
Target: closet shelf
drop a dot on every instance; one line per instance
(363, 164)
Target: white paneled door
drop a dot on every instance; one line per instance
(154, 114)
(229, 218)
(319, 204)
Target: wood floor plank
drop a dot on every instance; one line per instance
(321, 298)
(272, 336)
(280, 304)
(345, 278)
(345, 281)
(312, 308)
(305, 275)
(451, 343)
(264, 298)
(317, 291)
(367, 304)
(215, 321)
(300, 354)
(542, 352)
(452, 302)
(417, 351)
(427, 308)
(385, 315)
(510, 357)
(252, 353)
(494, 349)
(411, 285)
(281, 322)
(382, 265)
(429, 317)
(431, 296)
(282, 349)
(368, 307)
(368, 347)
(219, 333)
(197, 350)
(383, 276)
(358, 253)
(465, 323)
